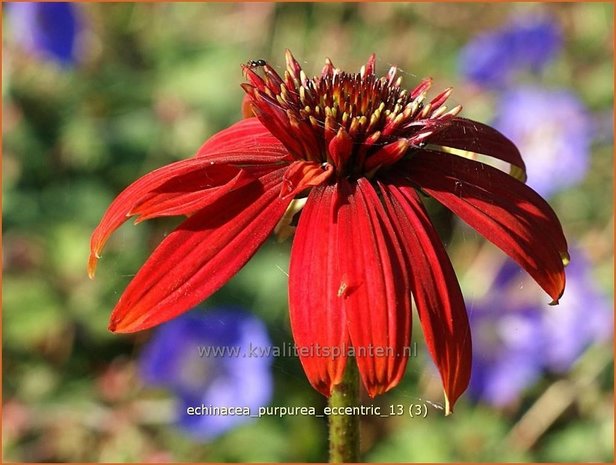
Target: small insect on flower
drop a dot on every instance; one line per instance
(256, 63)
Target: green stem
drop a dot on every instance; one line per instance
(344, 429)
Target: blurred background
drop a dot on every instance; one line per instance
(96, 95)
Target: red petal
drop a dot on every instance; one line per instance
(186, 195)
(142, 189)
(245, 142)
(303, 174)
(471, 136)
(504, 210)
(377, 295)
(315, 279)
(436, 291)
(200, 256)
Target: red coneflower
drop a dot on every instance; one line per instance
(352, 152)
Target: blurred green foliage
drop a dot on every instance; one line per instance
(153, 82)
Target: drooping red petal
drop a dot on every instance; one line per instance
(185, 195)
(245, 142)
(141, 190)
(471, 136)
(377, 293)
(316, 287)
(435, 289)
(504, 210)
(247, 145)
(200, 255)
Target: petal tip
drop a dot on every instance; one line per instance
(119, 327)
(324, 388)
(92, 261)
(448, 406)
(556, 300)
(565, 258)
(124, 321)
(112, 326)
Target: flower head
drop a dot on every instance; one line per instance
(46, 28)
(553, 130)
(352, 152)
(526, 43)
(203, 359)
(517, 337)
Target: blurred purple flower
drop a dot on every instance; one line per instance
(493, 58)
(519, 336)
(48, 29)
(553, 131)
(505, 350)
(233, 378)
